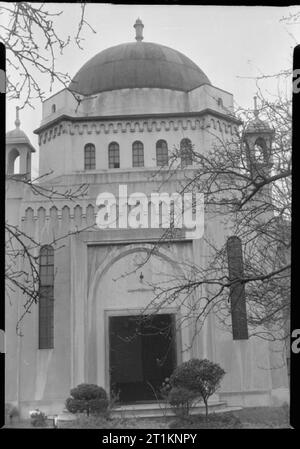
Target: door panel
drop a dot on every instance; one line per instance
(142, 355)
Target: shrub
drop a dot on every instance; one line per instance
(89, 399)
(165, 388)
(38, 418)
(11, 412)
(181, 399)
(200, 378)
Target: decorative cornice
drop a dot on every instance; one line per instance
(139, 124)
(113, 118)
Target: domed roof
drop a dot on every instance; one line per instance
(136, 65)
(17, 133)
(257, 125)
(17, 136)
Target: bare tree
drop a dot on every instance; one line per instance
(22, 249)
(249, 188)
(33, 43)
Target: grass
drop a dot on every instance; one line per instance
(247, 418)
(265, 417)
(116, 423)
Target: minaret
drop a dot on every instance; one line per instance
(258, 137)
(17, 121)
(138, 30)
(18, 145)
(255, 107)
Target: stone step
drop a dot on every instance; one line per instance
(152, 410)
(66, 416)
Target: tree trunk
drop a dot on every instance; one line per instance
(206, 409)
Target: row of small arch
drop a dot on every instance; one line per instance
(54, 212)
(162, 154)
(140, 127)
(77, 212)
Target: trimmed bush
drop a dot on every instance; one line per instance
(192, 380)
(181, 399)
(89, 399)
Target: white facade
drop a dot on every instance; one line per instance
(89, 286)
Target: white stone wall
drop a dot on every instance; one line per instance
(127, 115)
(137, 101)
(87, 263)
(62, 146)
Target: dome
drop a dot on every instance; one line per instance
(137, 65)
(259, 126)
(17, 136)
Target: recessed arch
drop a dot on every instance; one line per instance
(116, 255)
(28, 163)
(186, 152)
(46, 297)
(29, 213)
(89, 156)
(138, 154)
(100, 302)
(13, 162)
(113, 155)
(260, 150)
(162, 158)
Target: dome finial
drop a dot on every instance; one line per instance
(255, 106)
(17, 121)
(138, 29)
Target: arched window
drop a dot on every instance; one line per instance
(162, 153)
(89, 157)
(260, 150)
(137, 154)
(13, 162)
(17, 165)
(28, 163)
(237, 295)
(46, 299)
(113, 155)
(53, 108)
(186, 152)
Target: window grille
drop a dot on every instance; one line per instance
(46, 299)
(137, 154)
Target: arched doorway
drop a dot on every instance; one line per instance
(137, 346)
(142, 354)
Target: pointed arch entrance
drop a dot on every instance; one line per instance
(133, 346)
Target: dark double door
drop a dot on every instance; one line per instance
(142, 355)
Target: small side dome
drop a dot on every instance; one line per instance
(18, 151)
(258, 126)
(17, 136)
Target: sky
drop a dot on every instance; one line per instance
(229, 43)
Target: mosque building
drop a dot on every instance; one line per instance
(117, 124)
